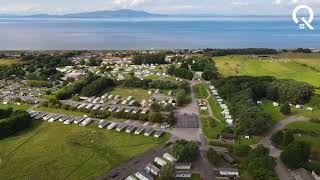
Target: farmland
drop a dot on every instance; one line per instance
(68, 152)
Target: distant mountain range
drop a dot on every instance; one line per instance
(123, 13)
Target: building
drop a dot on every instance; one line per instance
(103, 123)
(142, 175)
(160, 161)
(183, 166)
(158, 133)
(228, 158)
(230, 172)
(183, 174)
(227, 137)
(148, 132)
(131, 177)
(169, 157)
(150, 168)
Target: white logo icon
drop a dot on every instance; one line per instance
(305, 22)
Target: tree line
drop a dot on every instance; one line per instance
(247, 51)
(157, 58)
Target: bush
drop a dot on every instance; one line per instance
(213, 157)
(17, 121)
(296, 154)
(241, 150)
(185, 151)
(282, 138)
(285, 109)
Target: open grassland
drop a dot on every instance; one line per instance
(201, 90)
(15, 107)
(309, 128)
(60, 111)
(274, 112)
(299, 67)
(137, 93)
(57, 151)
(6, 62)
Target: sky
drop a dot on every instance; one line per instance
(222, 7)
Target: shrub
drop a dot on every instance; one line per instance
(285, 109)
(296, 154)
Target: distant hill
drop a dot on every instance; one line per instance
(123, 13)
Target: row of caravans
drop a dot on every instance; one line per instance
(82, 121)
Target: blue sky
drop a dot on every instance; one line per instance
(267, 7)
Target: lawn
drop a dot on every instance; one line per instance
(201, 91)
(16, 107)
(273, 111)
(251, 141)
(57, 151)
(300, 67)
(5, 62)
(152, 77)
(60, 111)
(137, 93)
(215, 108)
(211, 132)
(195, 177)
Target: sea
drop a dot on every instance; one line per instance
(155, 33)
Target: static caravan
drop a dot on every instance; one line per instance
(82, 106)
(96, 100)
(86, 122)
(128, 110)
(169, 157)
(130, 129)
(160, 161)
(142, 175)
(139, 130)
(117, 97)
(170, 93)
(158, 133)
(34, 114)
(131, 102)
(48, 117)
(63, 118)
(145, 111)
(150, 168)
(116, 101)
(105, 96)
(144, 103)
(183, 174)
(136, 110)
(110, 96)
(96, 107)
(112, 126)
(121, 127)
(103, 123)
(131, 177)
(129, 98)
(148, 132)
(124, 102)
(119, 109)
(183, 166)
(54, 118)
(69, 121)
(79, 120)
(89, 106)
(157, 91)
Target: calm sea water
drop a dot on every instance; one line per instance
(222, 32)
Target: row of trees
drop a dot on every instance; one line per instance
(75, 87)
(17, 121)
(180, 72)
(185, 151)
(203, 64)
(147, 83)
(97, 86)
(243, 92)
(158, 58)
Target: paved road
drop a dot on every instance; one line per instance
(281, 170)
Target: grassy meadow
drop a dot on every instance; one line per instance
(201, 91)
(6, 62)
(57, 151)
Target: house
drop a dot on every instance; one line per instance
(230, 172)
(228, 158)
(86, 122)
(142, 175)
(183, 166)
(131, 177)
(275, 104)
(103, 123)
(183, 174)
(169, 157)
(158, 133)
(160, 161)
(112, 125)
(139, 130)
(148, 132)
(150, 168)
(130, 129)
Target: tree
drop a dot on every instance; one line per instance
(168, 172)
(282, 138)
(213, 157)
(182, 98)
(209, 75)
(241, 150)
(285, 109)
(155, 107)
(185, 151)
(155, 117)
(296, 154)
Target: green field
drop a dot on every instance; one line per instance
(5, 62)
(201, 91)
(16, 107)
(61, 111)
(215, 108)
(284, 66)
(56, 151)
(273, 111)
(137, 93)
(309, 127)
(211, 132)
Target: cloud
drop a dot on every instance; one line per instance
(239, 3)
(129, 3)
